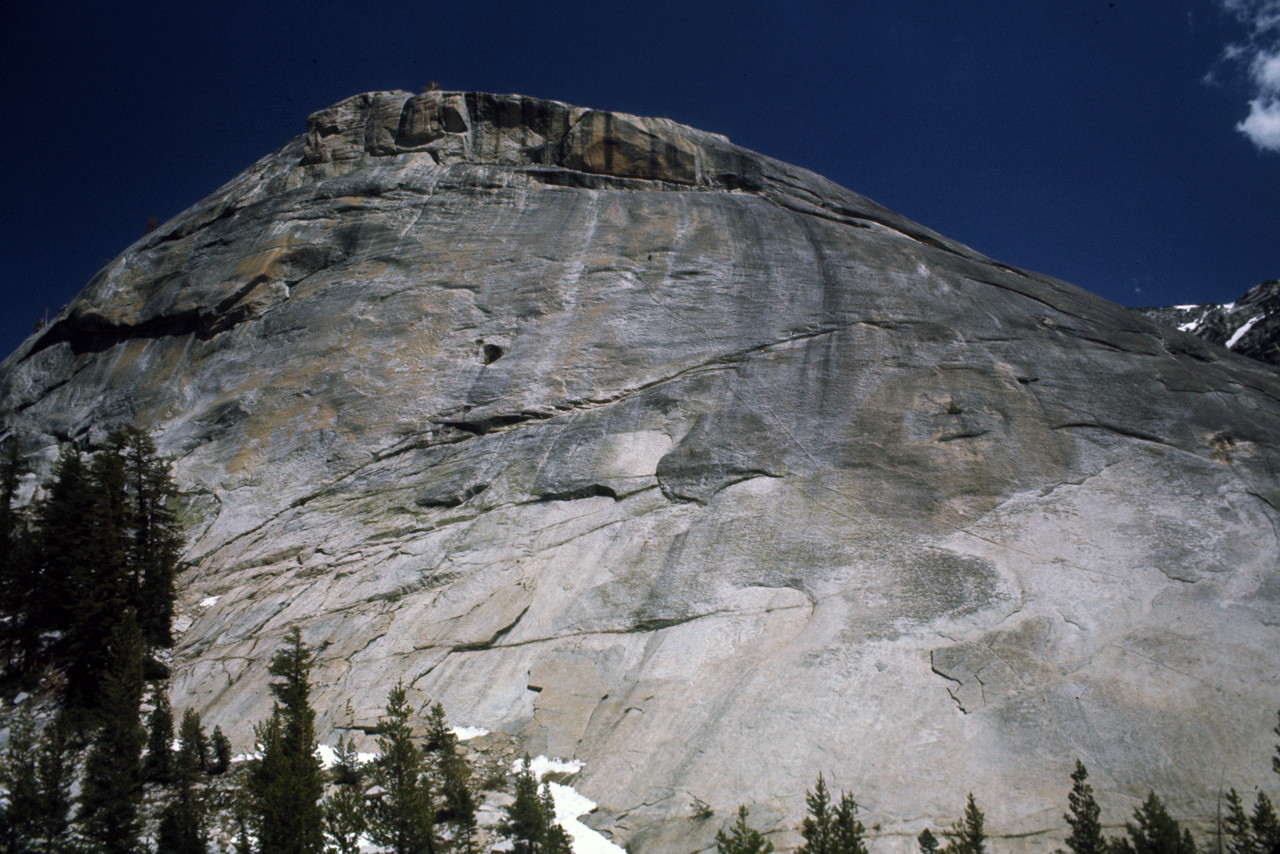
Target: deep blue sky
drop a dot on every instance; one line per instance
(1079, 138)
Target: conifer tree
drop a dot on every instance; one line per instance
(153, 538)
(457, 803)
(525, 821)
(285, 784)
(193, 745)
(1083, 816)
(1264, 827)
(555, 839)
(158, 766)
(741, 838)
(55, 772)
(20, 805)
(99, 589)
(1275, 757)
(969, 836)
(850, 834)
(1154, 831)
(62, 544)
(112, 787)
(928, 842)
(403, 816)
(18, 587)
(221, 752)
(531, 818)
(242, 818)
(1239, 832)
(344, 809)
(183, 821)
(819, 826)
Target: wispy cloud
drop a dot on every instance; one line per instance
(1259, 56)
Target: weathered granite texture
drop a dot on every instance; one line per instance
(1249, 326)
(687, 463)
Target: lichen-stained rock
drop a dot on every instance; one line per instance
(659, 454)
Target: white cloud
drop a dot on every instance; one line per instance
(1262, 126)
(1260, 55)
(1266, 72)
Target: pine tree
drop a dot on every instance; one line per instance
(193, 746)
(1264, 827)
(183, 821)
(55, 772)
(1083, 816)
(285, 783)
(344, 809)
(741, 838)
(99, 589)
(403, 816)
(969, 836)
(531, 818)
(1154, 831)
(555, 839)
(154, 541)
(158, 766)
(62, 548)
(18, 637)
(1275, 757)
(112, 787)
(21, 805)
(928, 842)
(1239, 831)
(457, 803)
(850, 834)
(818, 828)
(525, 822)
(221, 752)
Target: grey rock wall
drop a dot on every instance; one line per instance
(663, 455)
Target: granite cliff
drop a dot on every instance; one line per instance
(659, 454)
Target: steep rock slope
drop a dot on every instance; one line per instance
(665, 456)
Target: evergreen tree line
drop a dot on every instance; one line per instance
(418, 796)
(835, 829)
(86, 566)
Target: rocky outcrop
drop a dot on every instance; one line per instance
(662, 455)
(1249, 326)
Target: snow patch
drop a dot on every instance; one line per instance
(1190, 327)
(570, 804)
(544, 765)
(208, 601)
(466, 733)
(1231, 342)
(329, 756)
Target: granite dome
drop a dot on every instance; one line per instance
(659, 454)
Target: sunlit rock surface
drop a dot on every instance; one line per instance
(665, 456)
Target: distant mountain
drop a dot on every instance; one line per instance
(1249, 326)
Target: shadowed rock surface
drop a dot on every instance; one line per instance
(669, 457)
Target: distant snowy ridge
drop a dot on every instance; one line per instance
(1249, 326)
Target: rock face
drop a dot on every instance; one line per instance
(662, 455)
(1249, 326)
